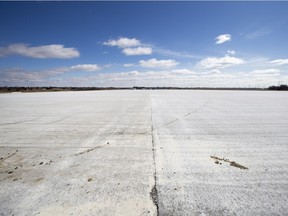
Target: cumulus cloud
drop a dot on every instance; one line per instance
(137, 51)
(214, 62)
(85, 67)
(41, 52)
(279, 61)
(130, 46)
(123, 42)
(154, 63)
(223, 38)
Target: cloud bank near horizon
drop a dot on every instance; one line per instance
(215, 71)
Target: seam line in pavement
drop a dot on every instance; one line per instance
(154, 191)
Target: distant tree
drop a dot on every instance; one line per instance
(279, 88)
(283, 87)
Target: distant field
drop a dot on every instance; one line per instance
(157, 152)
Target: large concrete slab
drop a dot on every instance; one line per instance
(111, 152)
(76, 153)
(250, 128)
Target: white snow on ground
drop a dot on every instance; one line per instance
(101, 153)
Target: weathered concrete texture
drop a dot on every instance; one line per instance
(250, 128)
(76, 153)
(144, 153)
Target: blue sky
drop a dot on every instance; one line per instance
(186, 44)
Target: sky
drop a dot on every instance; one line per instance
(125, 44)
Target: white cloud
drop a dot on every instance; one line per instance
(279, 61)
(213, 78)
(166, 77)
(266, 72)
(130, 46)
(154, 63)
(223, 38)
(231, 52)
(214, 71)
(85, 67)
(183, 71)
(137, 51)
(41, 52)
(128, 65)
(214, 62)
(123, 42)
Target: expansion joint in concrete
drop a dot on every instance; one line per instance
(154, 191)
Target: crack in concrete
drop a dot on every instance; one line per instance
(176, 119)
(186, 115)
(154, 191)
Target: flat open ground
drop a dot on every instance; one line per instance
(144, 153)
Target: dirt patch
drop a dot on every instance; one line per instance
(38, 179)
(232, 163)
(9, 155)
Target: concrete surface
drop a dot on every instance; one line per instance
(144, 153)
